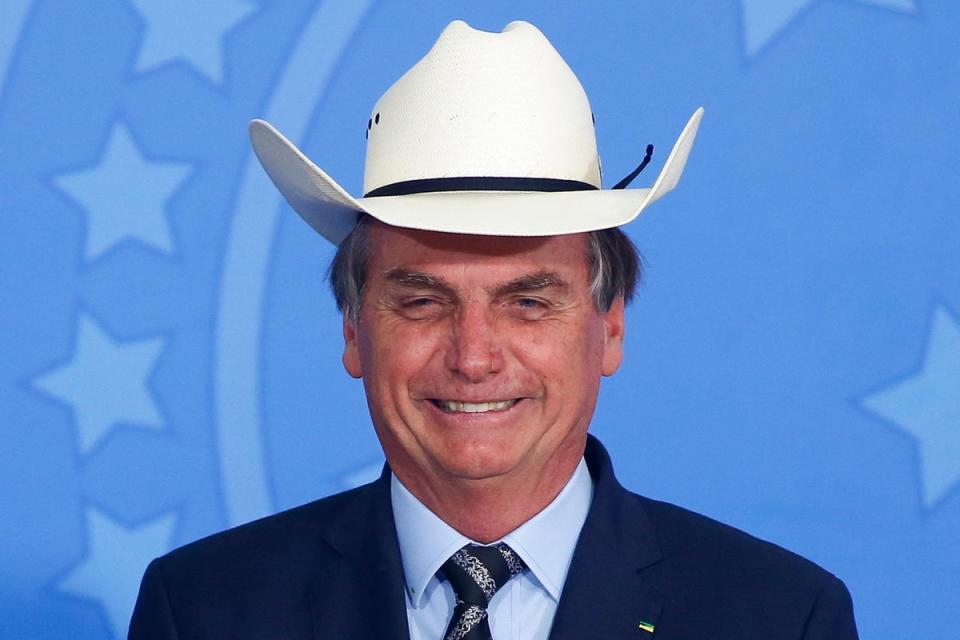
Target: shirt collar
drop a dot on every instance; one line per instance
(545, 542)
(426, 541)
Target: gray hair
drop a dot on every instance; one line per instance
(615, 268)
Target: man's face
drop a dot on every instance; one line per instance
(481, 356)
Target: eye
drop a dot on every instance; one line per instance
(420, 307)
(528, 307)
(529, 303)
(419, 302)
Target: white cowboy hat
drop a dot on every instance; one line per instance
(489, 133)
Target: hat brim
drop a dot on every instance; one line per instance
(333, 212)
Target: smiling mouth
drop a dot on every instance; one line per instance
(455, 406)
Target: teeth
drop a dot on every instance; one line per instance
(476, 407)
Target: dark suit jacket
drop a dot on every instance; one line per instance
(332, 569)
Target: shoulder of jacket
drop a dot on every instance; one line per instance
(289, 533)
(692, 538)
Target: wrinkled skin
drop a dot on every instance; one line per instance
(480, 319)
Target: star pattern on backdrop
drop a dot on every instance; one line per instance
(124, 195)
(763, 20)
(188, 31)
(115, 560)
(106, 383)
(926, 405)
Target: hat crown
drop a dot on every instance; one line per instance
(482, 104)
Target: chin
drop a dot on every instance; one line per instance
(479, 461)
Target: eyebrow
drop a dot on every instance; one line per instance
(419, 280)
(530, 282)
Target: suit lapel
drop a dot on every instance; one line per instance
(358, 592)
(611, 589)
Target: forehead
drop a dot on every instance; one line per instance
(392, 247)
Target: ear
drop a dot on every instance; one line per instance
(351, 354)
(613, 322)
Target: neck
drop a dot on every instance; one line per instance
(487, 509)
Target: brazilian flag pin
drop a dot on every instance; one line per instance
(646, 626)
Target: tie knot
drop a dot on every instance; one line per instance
(476, 572)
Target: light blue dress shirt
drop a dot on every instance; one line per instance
(524, 608)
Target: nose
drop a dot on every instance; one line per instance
(474, 352)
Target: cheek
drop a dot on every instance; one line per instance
(568, 358)
(394, 353)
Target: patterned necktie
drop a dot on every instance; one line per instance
(476, 573)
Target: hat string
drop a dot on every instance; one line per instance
(633, 174)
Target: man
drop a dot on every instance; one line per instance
(483, 280)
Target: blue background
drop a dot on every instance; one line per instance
(170, 354)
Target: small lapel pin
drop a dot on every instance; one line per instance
(646, 626)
